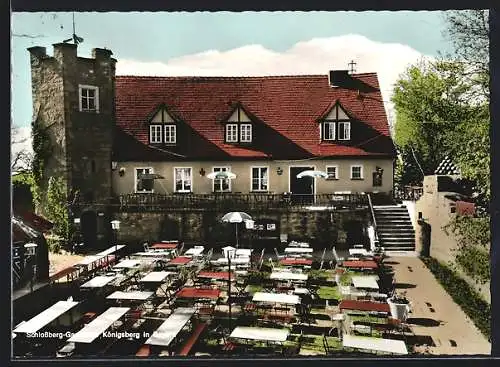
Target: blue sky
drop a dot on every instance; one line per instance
(231, 43)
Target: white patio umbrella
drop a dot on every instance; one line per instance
(311, 173)
(236, 217)
(222, 175)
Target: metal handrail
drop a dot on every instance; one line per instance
(373, 216)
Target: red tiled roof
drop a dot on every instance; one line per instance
(181, 260)
(285, 109)
(347, 304)
(293, 261)
(198, 293)
(214, 275)
(368, 264)
(35, 221)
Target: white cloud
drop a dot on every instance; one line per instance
(316, 56)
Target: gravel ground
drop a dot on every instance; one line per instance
(62, 261)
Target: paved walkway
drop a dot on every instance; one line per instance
(434, 313)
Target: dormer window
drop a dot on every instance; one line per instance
(155, 133)
(170, 134)
(238, 127)
(344, 130)
(329, 130)
(246, 133)
(336, 125)
(232, 133)
(162, 128)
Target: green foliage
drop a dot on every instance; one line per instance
(56, 207)
(467, 298)
(257, 278)
(328, 293)
(473, 241)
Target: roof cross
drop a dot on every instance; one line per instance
(352, 68)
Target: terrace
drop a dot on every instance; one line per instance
(236, 201)
(265, 310)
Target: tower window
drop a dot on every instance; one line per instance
(88, 98)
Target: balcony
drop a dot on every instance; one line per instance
(234, 202)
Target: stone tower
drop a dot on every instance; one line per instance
(73, 104)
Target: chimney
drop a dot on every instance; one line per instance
(64, 50)
(338, 78)
(38, 51)
(101, 54)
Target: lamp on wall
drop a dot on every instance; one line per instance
(202, 172)
(279, 171)
(114, 165)
(121, 172)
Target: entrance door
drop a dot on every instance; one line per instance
(302, 188)
(89, 229)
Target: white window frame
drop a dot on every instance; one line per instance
(251, 179)
(154, 127)
(243, 136)
(360, 172)
(169, 128)
(330, 123)
(226, 168)
(151, 171)
(346, 128)
(81, 87)
(336, 171)
(175, 179)
(234, 129)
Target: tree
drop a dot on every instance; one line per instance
(468, 31)
(430, 101)
(22, 157)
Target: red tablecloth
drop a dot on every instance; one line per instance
(347, 304)
(292, 261)
(215, 275)
(181, 260)
(198, 293)
(360, 264)
(163, 245)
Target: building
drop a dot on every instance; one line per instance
(149, 141)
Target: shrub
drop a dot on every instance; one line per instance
(466, 297)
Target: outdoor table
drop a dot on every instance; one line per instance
(221, 275)
(44, 318)
(263, 334)
(375, 344)
(359, 251)
(365, 282)
(295, 261)
(165, 245)
(181, 260)
(195, 251)
(133, 295)
(197, 293)
(355, 305)
(266, 297)
(298, 250)
(171, 327)
(156, 276)
(127, 264)
(99, 325)
(287, 275)
(360, 264)
(98, 282)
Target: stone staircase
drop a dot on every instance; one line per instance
(394, 228)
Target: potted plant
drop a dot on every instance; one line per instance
(399, 306)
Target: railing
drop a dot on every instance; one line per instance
(232, 201)
(410, 193)
(373, 217)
